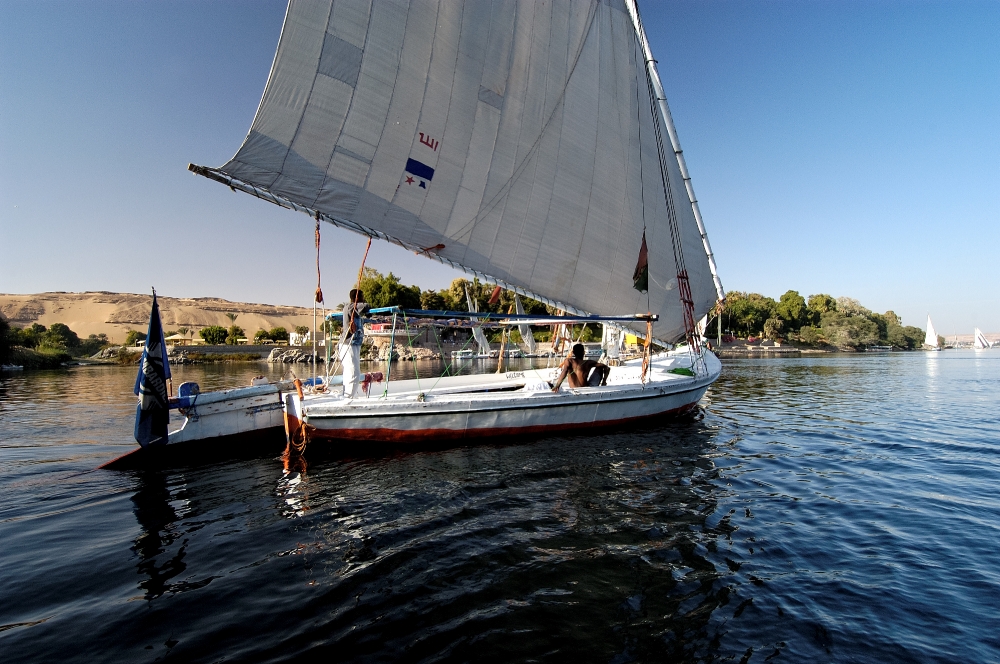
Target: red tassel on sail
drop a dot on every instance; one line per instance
(640, 279)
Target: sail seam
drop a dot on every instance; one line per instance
(466, 229)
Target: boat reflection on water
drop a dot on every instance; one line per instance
(589, 546)
(153, 508)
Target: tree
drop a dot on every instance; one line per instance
(387, 291)
(28, 337)
(793, 310)
(849, 331)
(302, 329)
(772, 328)
(810, 335)
(818, 305)
(851, 307)
(747, 312)
(214, 334)
(92, 344)
(234, 334)
(278, 334)
(433, 301)
(133, 336)
(232, 318)
(260, 336)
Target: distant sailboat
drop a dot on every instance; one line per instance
(931, 341)
(980, 342)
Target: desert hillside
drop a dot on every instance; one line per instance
(115, 313)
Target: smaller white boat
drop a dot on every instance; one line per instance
(981, 342)
(11, 367)
(931, 341)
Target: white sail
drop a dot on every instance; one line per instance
(525, 330)
(980, 342)
(514, 139)
(477, 331)
(931, 338)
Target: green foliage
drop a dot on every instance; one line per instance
(278, 334)
(134, 336)
(29, 337)
(261, 336)
(93, 344)
(848, 331)
(818, 305)
(746, 313)
(6, 340)
(793, 310)
(810, 335)
(772, 328)
(59, 337)
(434, 301)
(386, 290)
(234, 334)
(301, 329)
(214, 334)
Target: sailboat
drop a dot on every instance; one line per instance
(931, 341)
(980, 342)
(526, 144)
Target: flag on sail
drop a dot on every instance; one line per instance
(151, 413)
(418, 173)
(640, 279)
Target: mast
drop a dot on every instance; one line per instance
(668, 122)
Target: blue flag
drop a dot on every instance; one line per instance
(152, 412)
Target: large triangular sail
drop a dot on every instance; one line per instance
(516, 140)
(980, 342)
(931, 338)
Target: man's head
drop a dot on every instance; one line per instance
(578, 351)
(357, 295)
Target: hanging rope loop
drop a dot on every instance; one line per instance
(319, 289)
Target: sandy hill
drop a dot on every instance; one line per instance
(115, 313)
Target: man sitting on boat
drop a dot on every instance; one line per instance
(351, 338)
(577, 369)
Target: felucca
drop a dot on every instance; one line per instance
(931, 341)
(527, 144)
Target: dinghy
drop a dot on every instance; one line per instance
(526, 144)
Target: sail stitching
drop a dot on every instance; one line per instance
(618, 244)
(302, 117)
(464, 232)
(597, 133)
(350, 107)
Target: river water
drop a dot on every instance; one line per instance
(841, 508)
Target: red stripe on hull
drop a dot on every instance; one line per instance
(428, 435)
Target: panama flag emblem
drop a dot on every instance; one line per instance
(418, 174)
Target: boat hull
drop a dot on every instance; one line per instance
(231, 413)
(505, 413)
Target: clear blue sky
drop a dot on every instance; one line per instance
(850, 148)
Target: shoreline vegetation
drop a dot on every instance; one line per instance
(751, 324)
(819, 323)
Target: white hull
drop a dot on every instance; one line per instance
(503, 405)
(232, 412)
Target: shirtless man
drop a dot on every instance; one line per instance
(577, 369)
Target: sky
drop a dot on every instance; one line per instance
(849, 148)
